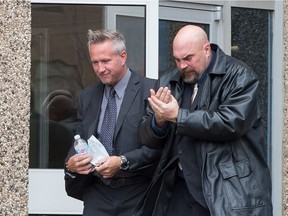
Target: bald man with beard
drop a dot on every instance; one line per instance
(205, 117)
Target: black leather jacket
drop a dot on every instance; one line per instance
(226, 127)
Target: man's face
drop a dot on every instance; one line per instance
(108, 65)
(191, 60)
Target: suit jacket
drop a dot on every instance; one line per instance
(142, 160)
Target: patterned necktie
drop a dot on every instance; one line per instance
(108, 126)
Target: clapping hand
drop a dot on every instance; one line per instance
(164, 105)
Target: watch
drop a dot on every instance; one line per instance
(124, 163)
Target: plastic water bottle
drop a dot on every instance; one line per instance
(80, 145)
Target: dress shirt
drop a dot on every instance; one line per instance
(120, 91)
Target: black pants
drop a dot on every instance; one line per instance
(102, 200)
(183, 204)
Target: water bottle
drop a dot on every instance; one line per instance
(80, 145)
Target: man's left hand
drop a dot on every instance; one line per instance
(109, 166)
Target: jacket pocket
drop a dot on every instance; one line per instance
(240, 185)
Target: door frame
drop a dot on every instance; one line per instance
(221, 11)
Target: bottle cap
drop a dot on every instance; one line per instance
(77, 136)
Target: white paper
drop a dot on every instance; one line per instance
(98, 151)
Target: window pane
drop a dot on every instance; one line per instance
(132, 28)
(60, 69)
(251, 44)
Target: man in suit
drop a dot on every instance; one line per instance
(115, 186)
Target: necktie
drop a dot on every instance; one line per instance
(194, 92)
(108, 126)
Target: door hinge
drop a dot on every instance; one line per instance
(217, 13)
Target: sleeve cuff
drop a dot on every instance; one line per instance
(69, 175)
(158, 131)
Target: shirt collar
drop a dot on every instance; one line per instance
(120, 86)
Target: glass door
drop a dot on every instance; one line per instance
(60, 69)
(59, 56)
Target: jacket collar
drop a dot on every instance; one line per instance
(131, 92)
(175, 75)
(219, 60)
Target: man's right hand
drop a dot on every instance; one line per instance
(80, 164)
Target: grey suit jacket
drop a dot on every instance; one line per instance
(141, 159)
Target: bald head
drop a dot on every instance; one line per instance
(191, 50)
(191, 34)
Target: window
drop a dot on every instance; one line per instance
(61, 68)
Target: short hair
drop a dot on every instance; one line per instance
(101, 35)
